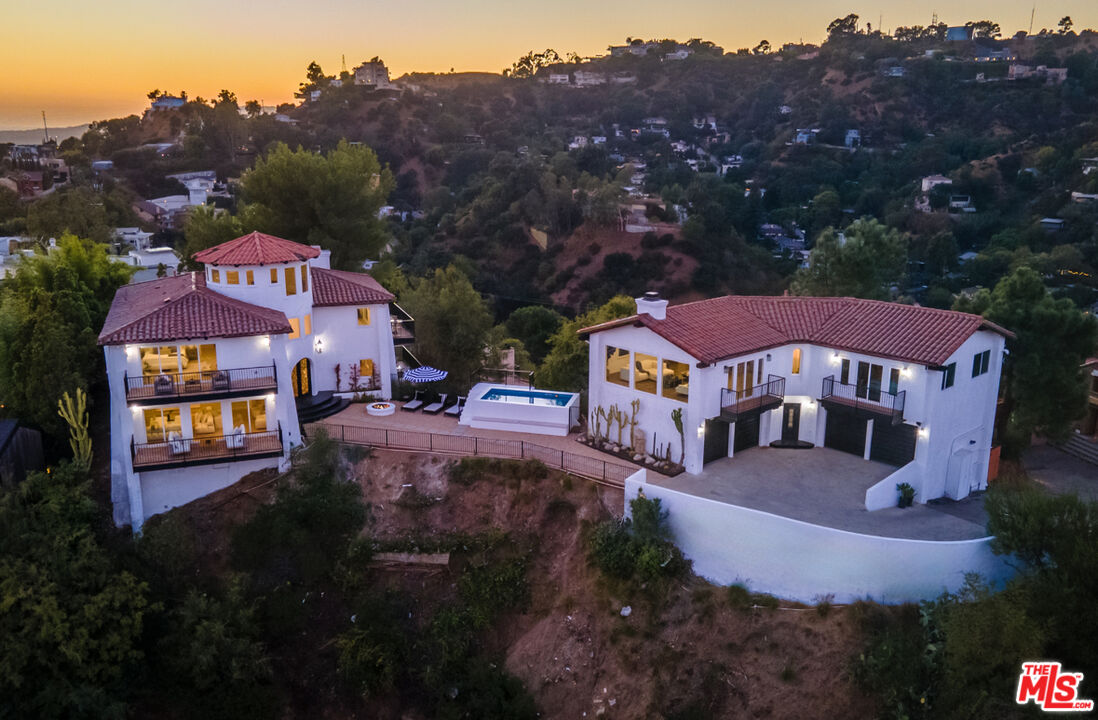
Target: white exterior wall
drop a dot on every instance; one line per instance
(955, 424)
(345, 342)
(804, 562)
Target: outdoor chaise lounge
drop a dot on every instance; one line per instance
(436, 408)
(415, 403)
(455, 409)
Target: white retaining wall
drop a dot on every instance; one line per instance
(799, 561)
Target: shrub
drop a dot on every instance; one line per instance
(907, 495)
(640, 547)
(472, 469)
(373, 651)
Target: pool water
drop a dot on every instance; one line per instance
(529, 397)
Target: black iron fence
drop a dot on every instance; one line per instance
(203, 382)
(574, 463)
(868, 398)
(771, 392)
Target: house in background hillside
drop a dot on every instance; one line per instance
(211, 372)
(372, 73)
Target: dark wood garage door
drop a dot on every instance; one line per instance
(747, 433)
(845, 432)
(716, 440)
(893, 444)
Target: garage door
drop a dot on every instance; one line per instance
(716, 440)
(845, 432)
(747, 433)
(893, 444)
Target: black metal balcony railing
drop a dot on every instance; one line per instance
(181, 452)
(172, 386)
(764, 396)
(864, 398)
(403, 325)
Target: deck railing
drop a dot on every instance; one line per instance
(765, 395)
(865, 398)
(180, 451)
(589, 467)
(203, 382)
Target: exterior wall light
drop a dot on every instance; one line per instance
(906, 371)
(835, 359)
(701, 431)
(924, 432)
(318, 346)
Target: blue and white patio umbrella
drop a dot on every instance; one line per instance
(425, 374)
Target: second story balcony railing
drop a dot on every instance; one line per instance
(178, 451)
(764, 396)
(170, 387)
(870, 399)
(403, 326)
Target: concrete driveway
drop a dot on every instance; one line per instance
(826, 487)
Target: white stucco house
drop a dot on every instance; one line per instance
(912, 387)
(208, 370)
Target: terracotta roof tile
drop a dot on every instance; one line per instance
(183, 308)
(725, 327)
(338, 287)
(256, 249)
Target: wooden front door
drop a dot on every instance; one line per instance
(299, 378)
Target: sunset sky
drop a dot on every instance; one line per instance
(82, 61)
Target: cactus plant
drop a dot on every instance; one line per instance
(676, 417)
(75, 413)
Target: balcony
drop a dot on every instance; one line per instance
(404, 327)
(736, 404)
(205, 384)
(185, 452)
(865, 400)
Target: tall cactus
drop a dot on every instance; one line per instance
(75, 413)
(676, 417)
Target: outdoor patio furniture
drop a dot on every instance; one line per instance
(163, 385)
(178, 444)
(455, 409)
(415, 403)
(236, 440)
(221, 381)
(436, 408)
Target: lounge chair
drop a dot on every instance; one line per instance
(236, 440)
(436, 408)
(455, 409)
(179, 445)
(415, 403)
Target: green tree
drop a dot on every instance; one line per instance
(534, 325)
(50, 312)
(1065, 24)
(864, 261)
(70, 621)
(205, 227)
(452, 323)
(528, 65)
(329, 200)
(843, 26)
(78, 210)
(1045, 386)
(565, 367)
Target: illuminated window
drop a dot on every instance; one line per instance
(308, 324)
(250, 276)
(617, 366)
(232, 277)
(215, 275)
(796, 361)
(304, 278)
(206, 419)
(676, 380)
(295, 328)
(291, 281)
(646, 373)
(366, 368)
(160, 422)
(364, 316)
(274, 276)
(250, 414)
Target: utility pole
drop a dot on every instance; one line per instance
(344, 57)
(45, 128)
(1031, 14)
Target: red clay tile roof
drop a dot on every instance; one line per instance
(183, 308)
(256, 249)
(725, 327)
(338, 287)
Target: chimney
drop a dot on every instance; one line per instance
(652, 304)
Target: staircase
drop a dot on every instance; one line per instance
(319, 406)
(1082, 448)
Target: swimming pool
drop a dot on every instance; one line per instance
(503, 407)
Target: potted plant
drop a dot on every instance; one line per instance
(907, 495)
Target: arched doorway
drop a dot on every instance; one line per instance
(300, 378)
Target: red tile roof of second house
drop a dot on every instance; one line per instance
(339, 287)
(183, 308)
(256, 249)
(725, 327)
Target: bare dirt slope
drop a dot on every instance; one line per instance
(691, 653)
